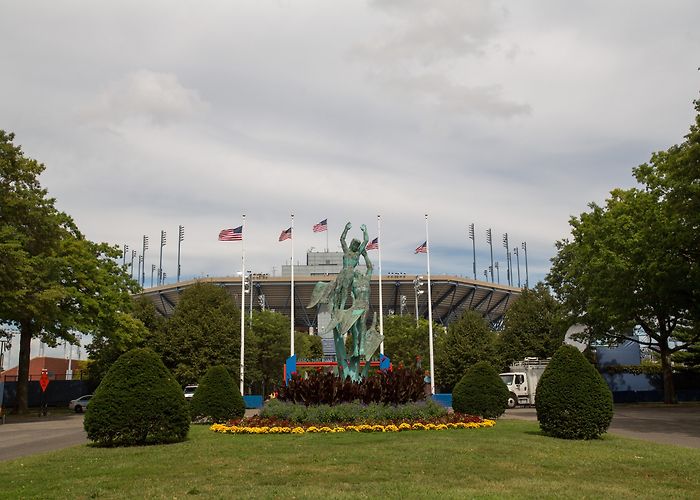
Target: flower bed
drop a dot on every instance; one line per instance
(259, 425)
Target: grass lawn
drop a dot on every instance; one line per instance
(510, 460)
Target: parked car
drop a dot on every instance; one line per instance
(189, 391)
(79, 405)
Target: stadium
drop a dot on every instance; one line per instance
(401, 294)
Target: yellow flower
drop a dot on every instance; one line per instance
(325, 429)
(391, 428)
(298, 430)
(405, 426)
(339, 429)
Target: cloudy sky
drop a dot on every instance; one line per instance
(509, 115)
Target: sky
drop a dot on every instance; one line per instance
(508, 115)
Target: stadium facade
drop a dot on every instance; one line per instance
(401, 293)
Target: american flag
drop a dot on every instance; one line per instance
(321, 226)
(286, 234)
(373, 245)
(422, 248)
(235, 234)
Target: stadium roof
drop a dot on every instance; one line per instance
(451, 296)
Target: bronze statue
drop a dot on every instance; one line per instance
(352, 320)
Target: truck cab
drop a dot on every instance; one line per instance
(522, 380)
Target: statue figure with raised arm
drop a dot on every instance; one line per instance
(350, 320)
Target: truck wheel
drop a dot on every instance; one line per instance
(512, 400)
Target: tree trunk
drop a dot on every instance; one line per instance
(25, 343)
(667, 371)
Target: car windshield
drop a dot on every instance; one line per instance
(507, 379)
(190, 390)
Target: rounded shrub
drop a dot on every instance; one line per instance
(217, 398)
(138, 402)
(573, 401)
(480, 392)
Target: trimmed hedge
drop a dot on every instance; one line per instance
(480, 392)
(350, 412)
(138, 402)
(573, 401)
(217, 399)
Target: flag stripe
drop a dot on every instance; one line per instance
(235, 234)
(286, 235)
(373, 245)
(422, 248)
(321, 226)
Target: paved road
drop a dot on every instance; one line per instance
(35, 435)
(679, 425)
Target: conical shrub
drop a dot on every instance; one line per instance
(217, 398)
(138, 402)
(480, 392)
(573, 401)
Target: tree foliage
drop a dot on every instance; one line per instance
(53, 281)
(635, 261)
(480, 392)
(534, 325)
(203, 331)
(217, 398)
(573, 400)
(404, 341)
(466, 342)
(138, 402)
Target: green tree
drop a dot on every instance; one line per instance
(217, 399)
(404, 341)
(138, 402)
(534, 325)
(466, 342)
(623, 268)
(203, 331)
(267, 348)
(480, 392)
(635, 262)
(573, 400)
(53, 282)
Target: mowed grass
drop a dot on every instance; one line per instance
(510, 460)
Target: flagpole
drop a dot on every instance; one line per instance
(326, 236)
(242, 307)
(381, 307)
(291, 324)
(430, 312)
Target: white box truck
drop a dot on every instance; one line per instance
(522, 381)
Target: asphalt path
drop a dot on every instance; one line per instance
(676, 425)
(29, 436)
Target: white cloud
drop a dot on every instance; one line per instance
(144, 95)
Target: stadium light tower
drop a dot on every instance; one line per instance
(417, 288)
(160, 260)
(180, 238)
(143, 257)
(498, 272)
(471, 237)
(126, 249)
(517, 261)
(507, 247)
(489, 240)
(527, 277)
(133, 256)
